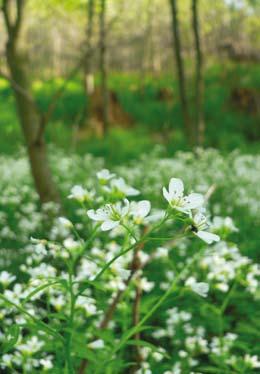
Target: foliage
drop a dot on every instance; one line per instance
(51, 309)
(158, 120)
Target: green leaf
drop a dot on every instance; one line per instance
(81, 350)
(86, 284)
(13, 334)
(39, 289)
(39, 323)
(210, 369)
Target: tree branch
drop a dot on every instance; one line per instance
(5, 11)
(19, 15)
(108, 315)
(21, 90)
(15, 27)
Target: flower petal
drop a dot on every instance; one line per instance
(92, 215)
(98, 215)
(207, 237)
(108, 225)
(200, 288)
(193, 201)
(176, 188)
(166, 195)
(143, 208)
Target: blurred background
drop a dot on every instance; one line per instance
(116, 77)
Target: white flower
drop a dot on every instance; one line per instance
(123, 273)
(6, 278)
(104, 176)
(65, 222)
(161, 252)
(139, 210)
(200, 288)
(6, 360)
(80, 194)
(226, 223)
(46, 363)
(110, 215)
(32, 345)
(145, 285)
(38, 241)
(178, 201)
(97, 344)
(70, 243)
(198, 226)
(252, 361)
(119, 185)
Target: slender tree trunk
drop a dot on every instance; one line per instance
(17, 60)
(199, 84)
(88, 76)
(146, 40)
(180, 70)
(103, 65)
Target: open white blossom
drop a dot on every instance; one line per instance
(81, 194)
(226, 223)
(175, 197)
(110, 215)
(104, 176)
(46, 363)
(97, 344)
(120, 186)
(6, 278)
(198, 228)
(252, 361)
(201, 288)
(139, 210)
(66, 223)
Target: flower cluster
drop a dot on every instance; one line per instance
(125, 254)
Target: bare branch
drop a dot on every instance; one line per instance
(5, 11)
(15, 27)
(19, 15)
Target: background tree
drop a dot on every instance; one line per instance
(103, 64)
(199, 86)
(88, 74)
(180, 70)
(29, 117)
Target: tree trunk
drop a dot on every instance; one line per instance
(103, 65)
(199, 86)
(89, 79)
(29, 118)
(180, 70)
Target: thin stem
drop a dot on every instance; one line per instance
(129, 231)
(159, 302)
(71, 320)
(38, 322)
(222, 311)
(142, 240)
(136, 265)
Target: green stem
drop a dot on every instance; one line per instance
(227, 298)
(222, 311)
(159, 302)
(143, 239)
(92, 236)
(129, 231)
(70, 321)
